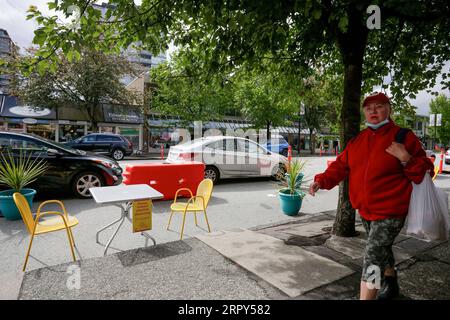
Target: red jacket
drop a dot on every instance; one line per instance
(380, 186)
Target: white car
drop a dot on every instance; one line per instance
(229, 157)
(447, 157)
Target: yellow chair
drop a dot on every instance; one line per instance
(199, 202)
(34, 227)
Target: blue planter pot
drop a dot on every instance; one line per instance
(8, 207)
(290, 203)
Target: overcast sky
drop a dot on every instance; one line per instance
(13, 19)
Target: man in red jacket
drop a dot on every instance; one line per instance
(380, 172)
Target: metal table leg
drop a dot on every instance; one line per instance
(147, 236)
(124, 214)
(144, 234)
(109, 225)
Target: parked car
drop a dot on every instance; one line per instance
(447, 156)
(229, 157)
(113, 145)
(68, 169)
(277, 144)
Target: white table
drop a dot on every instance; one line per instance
(121, 196)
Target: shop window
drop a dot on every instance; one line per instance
(107, 129)
(161, 136)
(16, 127)
(44, 130)
(70, 132)
(131, 134)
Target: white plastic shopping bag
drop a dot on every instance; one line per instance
(428, 216)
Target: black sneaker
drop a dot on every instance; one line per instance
(389, 290)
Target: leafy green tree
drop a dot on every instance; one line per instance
(266, 98)
(86, 82)
(409, 43)
(183, 90)
(441, 105)
(320, 97)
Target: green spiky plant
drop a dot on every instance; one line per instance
(19, 172)
(293, 178)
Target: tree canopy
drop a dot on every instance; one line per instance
(92, 79)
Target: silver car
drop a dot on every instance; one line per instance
(229, 157)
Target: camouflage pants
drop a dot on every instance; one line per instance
(380, 238)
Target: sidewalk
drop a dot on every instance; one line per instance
(296, 260)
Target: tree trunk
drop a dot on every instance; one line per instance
(352, 45)
(92, 108)
(268, 131)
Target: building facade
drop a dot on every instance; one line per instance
(143, 58)
(69, 122)
(7, 50)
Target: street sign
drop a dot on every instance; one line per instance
(142, 215)
(432, 118)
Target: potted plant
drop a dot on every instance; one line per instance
(291, 196)
(17, 173)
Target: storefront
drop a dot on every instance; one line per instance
(163, 130)
(124, 120)
(71, 122)
(16, 117)
(70, 130)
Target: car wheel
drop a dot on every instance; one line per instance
(117, 154)
(284, 152)
(212, 173)
(84, 181)
(280, 172)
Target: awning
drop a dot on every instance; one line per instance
(12, 107)
(120, 113)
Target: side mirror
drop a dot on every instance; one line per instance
(53, 152)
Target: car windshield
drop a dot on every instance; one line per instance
(60, 145)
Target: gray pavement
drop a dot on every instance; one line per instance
(266, 263)
(190, 269)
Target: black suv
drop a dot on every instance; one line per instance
(68, 169)
(113, 145)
